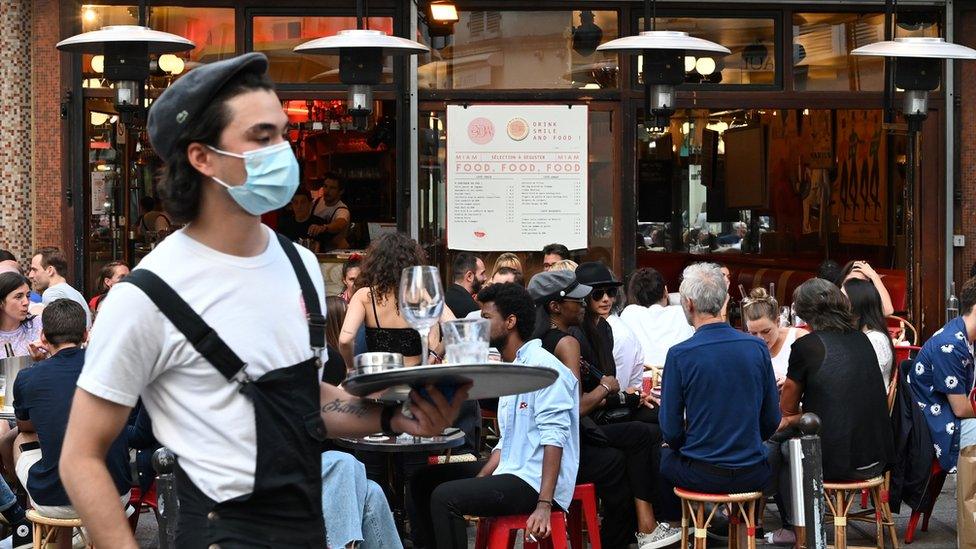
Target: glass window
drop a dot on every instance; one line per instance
(822, 43)
(522, 50)
(751, 40)
(276, 37)
(211, 29)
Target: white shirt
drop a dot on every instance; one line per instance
(657, 329)
(781, 362)
(255, 306)
(628, 354)
(65, 291)
(882, 347)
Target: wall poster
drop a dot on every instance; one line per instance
(860, 190)
(516, 177)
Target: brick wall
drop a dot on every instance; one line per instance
(47, 191)
(15, 126)
(966, 123)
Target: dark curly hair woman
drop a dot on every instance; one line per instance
(376, 303)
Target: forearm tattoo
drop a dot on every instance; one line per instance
(349, 407)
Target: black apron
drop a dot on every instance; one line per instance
(285, 508)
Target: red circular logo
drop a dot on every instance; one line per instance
(481, 131)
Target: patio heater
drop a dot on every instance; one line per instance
(361, 52)
(917, 63)
(126, 50)
(663, 54)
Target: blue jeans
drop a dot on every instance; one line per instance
(355, 509)
(7, 497)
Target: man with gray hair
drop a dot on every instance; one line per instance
(719, 400)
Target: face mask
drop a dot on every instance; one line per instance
(272, 178)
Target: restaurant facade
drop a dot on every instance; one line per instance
(778, 156)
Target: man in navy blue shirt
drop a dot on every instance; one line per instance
(718, 400)
(42, 401)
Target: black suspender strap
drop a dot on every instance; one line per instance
(203, 338)
(316, 320)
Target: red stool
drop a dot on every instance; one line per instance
(142, 502)
(499, 532)
(936, 479)
(584, 499)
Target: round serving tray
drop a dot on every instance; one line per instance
(490, 380)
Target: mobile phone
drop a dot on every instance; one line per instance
(446, 389)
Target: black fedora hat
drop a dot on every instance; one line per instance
(595, 273)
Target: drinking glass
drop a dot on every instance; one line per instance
(466, 340)
(421, 301)
(785, 316)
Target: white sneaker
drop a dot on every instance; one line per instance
(662, 536)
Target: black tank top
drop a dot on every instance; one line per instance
(405, 341)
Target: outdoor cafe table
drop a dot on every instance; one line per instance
(452, 438)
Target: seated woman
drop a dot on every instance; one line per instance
(867, 309)
(761, 314)
(618, 458)
(862, 270)
(355, 510)
(833, 372)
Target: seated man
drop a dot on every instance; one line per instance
(941, 379)
(719, 400)
(533, 468)
(42, 400)
(355, 509)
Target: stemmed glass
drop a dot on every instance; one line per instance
(421, 301)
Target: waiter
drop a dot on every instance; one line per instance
(227, 369)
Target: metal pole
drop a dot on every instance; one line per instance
(806, 481)
(414, 117)
(949, 85)
(164, 462)
(911, 207)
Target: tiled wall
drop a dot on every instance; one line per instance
(15, 126)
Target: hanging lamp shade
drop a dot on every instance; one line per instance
(664, 40)
(916, 46)
(361, 39)
(95, 41)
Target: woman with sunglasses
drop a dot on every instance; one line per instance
(761, 314)
(618, 458)
(627, 354)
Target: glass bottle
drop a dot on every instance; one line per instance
(952, 304)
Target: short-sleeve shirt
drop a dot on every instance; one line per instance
(42, 395)
(943, 367)
(20, 338)
(253, 303)
(65, 291)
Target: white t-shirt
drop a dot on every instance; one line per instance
(781, 362)
(254, 304)
(63, 290)
(882, 347)
(658, 329)
(627, 354)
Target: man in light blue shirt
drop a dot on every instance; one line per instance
(533, 468)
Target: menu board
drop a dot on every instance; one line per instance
(516, 177)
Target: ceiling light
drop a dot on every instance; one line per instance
(98, 63)
(705, 66)
(689, 63)
(443, 12)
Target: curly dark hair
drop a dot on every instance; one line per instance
(512, 299)
(179, 182)
(386, 258)
(821, 305)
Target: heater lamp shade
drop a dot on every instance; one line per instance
(360, 38)
(664, 40)
(94, 41)
(931, 48)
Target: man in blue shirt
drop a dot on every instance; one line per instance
(533, 468)
(942, 378)
(42, 401)
(719, 400)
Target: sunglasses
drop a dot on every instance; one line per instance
(598, 294)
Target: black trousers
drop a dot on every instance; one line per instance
(624, 469)
(443, 494)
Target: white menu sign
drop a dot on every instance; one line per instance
(516, 177)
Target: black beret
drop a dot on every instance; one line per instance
(186, 98)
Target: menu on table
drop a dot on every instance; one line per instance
(516, 177)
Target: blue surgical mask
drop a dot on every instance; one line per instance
(272, 178)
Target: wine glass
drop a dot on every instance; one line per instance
(421, 301)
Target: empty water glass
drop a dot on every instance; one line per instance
(466, 340)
